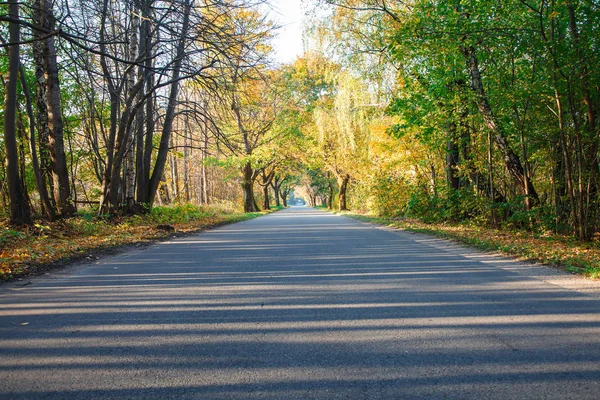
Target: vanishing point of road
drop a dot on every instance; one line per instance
(299, 304)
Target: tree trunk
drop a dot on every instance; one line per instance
(203, 180)
(491, 178)
(22, 145)
(167, 130)
(130, 173)
(131, 137)
(145, 114)
(343, 183)
(330, 197)
(20, 214)
(248, 188)
(46, 205)
(452, 157)
(62, 189)
(266, 180)
(186, 163)
(276, 185)
(266, 205)
(114, 96)
(256, 205)
(277, 196)
(114, 187)
(42, 118)
(174, 172)
(141, 173)
(511, 159)
(120, 125)
(41, 122)
(205, 199)
(433, 180)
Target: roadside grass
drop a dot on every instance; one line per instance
(560, 251)
(38, 249)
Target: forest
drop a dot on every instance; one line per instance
(460, 111)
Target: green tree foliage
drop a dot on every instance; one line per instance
(495, 103)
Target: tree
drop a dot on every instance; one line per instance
(52, 121)
(435, 48)
(342, 143)
(249, 105)
(20, 213)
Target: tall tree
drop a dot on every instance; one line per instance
(60, 173)
(20, 213)
(250, 103)
(171, 106)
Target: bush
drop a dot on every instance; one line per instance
(390, 196)
(178, 214)
(449, 206)
(539, 219)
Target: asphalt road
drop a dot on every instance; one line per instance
(299, 304)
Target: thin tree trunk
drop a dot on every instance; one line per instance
(114, 186)
(452, 157)
(433, 179)
(205, 199)
(174, 172)
(511, 159)
(203, 179)
(114, 96)
(130, 173)
(46, 205)
(22, 144)
(140, 172)
(131, 132)
(186, 163)
(172, 105)
(491, 178)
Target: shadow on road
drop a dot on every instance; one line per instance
(298, 304)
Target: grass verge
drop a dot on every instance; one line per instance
(48, 245)
(560, 251)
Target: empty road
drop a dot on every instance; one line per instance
(299, 304)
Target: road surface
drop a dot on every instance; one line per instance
(299, 304)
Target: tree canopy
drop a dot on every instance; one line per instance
(441, 110)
